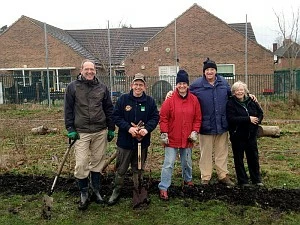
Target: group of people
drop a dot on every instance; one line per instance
(207, 107)
(219, 109)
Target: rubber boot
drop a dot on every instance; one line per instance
(95, 180)
(114, 198)
(84, 193)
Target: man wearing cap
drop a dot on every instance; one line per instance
(180, 121)
(212, 92)
(131, 109)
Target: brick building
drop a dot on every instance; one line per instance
(153, 51)
(193, 36)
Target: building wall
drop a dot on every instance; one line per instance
(24, 44)
(199, 34)
(284, 64)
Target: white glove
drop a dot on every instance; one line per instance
(164, 138)
(193, 136)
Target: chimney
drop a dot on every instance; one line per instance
(287, 42)
(275, 46)
(2, 29)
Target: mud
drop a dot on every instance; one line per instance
(281, 199)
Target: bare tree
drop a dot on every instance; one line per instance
(289, 34)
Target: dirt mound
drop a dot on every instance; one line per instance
(282, 199)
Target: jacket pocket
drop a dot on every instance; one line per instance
(224, 122)
(206, 125)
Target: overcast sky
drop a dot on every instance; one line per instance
(95, 14)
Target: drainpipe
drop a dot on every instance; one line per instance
(246, 53)
(175, 40)
(47, 64)
(109, 58)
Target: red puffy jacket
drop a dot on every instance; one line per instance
(179, 117)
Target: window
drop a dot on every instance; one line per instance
(64, 78)
(120, 72)
(22, 77)
(119, 77)
(168, 73)
(36, 76)
(51, 79)
(226, 70)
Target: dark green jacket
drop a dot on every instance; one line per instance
(88, 107)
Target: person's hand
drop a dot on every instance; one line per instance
(73, 135)
(164, 138)
(193, 136)
(143, 132)
(254, 120)
(169, 94)
(110, 135)
(133, 131)
(253, 97)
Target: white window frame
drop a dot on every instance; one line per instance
(231, 77)
(168, 73)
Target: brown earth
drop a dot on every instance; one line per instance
(280, 199)
(17, 129)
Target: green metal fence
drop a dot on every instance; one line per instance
(19, 90)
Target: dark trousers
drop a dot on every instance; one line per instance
(248, 147)
(126, 157)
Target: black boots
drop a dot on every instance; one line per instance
(114, 198)
(95, 181)
(84, 193)
(84, 190)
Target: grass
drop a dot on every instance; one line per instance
(24, 153)
(174, 212)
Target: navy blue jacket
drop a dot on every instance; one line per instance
(133, 109)
(213, 99)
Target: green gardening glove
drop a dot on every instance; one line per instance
(73, 135)
(110, 135)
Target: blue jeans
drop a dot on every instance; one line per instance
(167, 169)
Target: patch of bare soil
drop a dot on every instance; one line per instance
(281, 199)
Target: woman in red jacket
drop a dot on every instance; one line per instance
(180, 121)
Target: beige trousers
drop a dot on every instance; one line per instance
(90, 153)
(213, 148)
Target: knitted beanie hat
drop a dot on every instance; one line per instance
(209, 64)
(182, 76)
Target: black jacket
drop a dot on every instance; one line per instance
(133, 109)
(238, 117)
(88, 107)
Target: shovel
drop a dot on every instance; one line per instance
(140, 194)
(47, 199)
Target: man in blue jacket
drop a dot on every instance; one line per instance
(212, 92)
(132, 108)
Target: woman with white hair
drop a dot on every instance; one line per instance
(244, 115)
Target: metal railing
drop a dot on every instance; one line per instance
(17, 90)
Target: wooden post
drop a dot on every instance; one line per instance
(268, 131)
(108, 161)
(17, 92)
(37, 88)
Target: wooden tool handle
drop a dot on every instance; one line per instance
(139, 156)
